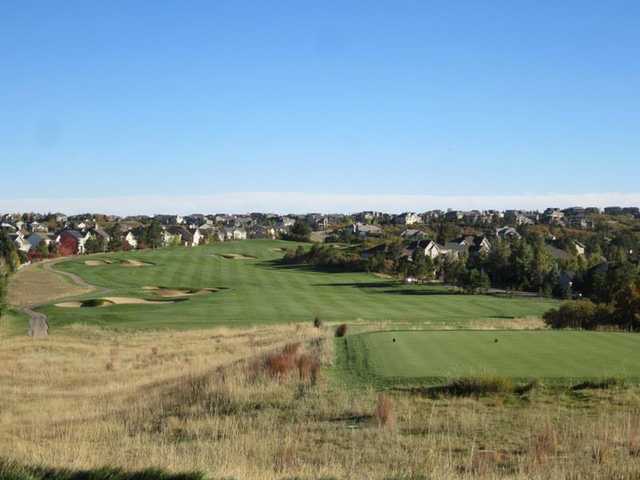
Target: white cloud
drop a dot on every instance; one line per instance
(298, 202)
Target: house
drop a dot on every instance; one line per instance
(130, 240)
(580, 248)
(262, 231)
(430, 248)
(20, 242)
(234, 233)
(553, 216)
(364, 231)
(454, 215)
(508, 233)
(176, 235)
(413, 234)
(71, 242)
(36, 238)
(468, 244)
(407, 218)
(367, 217)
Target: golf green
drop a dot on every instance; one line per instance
(433, 356)
(254, 288)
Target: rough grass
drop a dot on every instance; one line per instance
(192, 401)
(34, 285)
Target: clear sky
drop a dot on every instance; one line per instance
(372, 100)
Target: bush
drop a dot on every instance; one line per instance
(579, 314)
(478, 386)
(384, 412)
(317, 322)
(308, 368)
(341, 330)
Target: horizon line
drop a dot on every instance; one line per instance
(301, 202)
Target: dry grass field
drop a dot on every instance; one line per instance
(36, 284)
(209, 401)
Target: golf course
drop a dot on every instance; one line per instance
(433, 357)
(243, 284)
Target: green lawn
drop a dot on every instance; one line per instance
(260, 291)
(432, 357)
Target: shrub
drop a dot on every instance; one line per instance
(341, 330)
(279, 365)
(477, 386)
(384, 413)
(291, 348)
(317, 322)
(580, 314)
(308, 368)
(602, 384)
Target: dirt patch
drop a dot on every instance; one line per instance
(236, 256)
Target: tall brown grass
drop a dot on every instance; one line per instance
(206, 402)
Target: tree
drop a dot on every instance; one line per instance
(43, 249)
(627, 307)
(300, 232)
(153, 235)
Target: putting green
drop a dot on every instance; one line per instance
(434, 356)
(259, 290)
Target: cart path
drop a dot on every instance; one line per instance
(38, 322)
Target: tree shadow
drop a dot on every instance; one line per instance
(11, 470)
(409, 291)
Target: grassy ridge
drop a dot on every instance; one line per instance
(260, 291)
(433, 357)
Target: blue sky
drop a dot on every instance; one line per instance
(109, 101)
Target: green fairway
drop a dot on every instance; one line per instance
(430, 357)
(255, 289)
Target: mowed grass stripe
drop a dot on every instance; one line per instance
(261, 291)
(434, 356)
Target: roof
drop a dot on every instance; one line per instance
(35, 238)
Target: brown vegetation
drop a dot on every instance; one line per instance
(206, 400)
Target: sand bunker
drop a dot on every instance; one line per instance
(109, 301)
(179, 292)
(278, 249)
(97, 263)
(134, 263)
(236, 256)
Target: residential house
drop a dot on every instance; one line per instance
(364, 231)
(508, 233)
(234, 233)
(430, 248)
(413, 234)
(407, 218)
(130, 240)
(71, 242)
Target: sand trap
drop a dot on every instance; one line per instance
(132, 301)
(109, 301)
(236, 256)
(97, 263)
(278, 249)
(69, 305)
(134, 263)
(179, 292)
